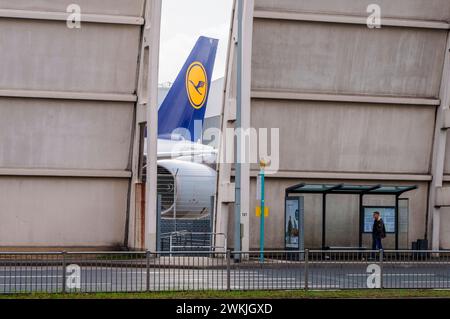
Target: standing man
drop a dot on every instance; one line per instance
(378, 231)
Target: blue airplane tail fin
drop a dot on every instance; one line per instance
(185, 104)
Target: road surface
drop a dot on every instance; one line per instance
(108, 279)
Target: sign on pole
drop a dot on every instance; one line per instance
(258, 211)
(262, 209)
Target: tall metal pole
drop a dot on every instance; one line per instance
(237, 204)
(397, 224)
(261, 230)
(361, 220)
(324, 219)
(158, 224)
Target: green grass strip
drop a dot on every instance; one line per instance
(299, 294)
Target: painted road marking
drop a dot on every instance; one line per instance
(399, 275)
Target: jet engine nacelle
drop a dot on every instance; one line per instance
(186, 188)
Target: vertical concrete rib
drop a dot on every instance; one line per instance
(438, 161)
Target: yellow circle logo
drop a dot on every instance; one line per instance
(196, 85)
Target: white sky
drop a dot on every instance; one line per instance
(182, 22)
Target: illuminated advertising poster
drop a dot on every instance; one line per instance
(292, 223)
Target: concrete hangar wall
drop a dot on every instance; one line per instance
(354, 105)
(70, 102)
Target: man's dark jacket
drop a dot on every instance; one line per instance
(378, 229)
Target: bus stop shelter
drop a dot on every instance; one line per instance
(361, 190)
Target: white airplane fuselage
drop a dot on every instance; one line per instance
(186, 150)
(186, 178)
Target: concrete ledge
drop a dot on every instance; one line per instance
(63, 95)
(347, 176)
(62, 16)
(280, 95)
(30, 172)
(330, 18)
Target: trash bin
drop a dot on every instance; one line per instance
(422, 244)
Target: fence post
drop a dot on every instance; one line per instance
(381, 267)
(306, 268)
(228, 270)
(147, 268)
(64, 272)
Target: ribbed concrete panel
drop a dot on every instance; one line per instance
(68, 116)
(353, 104)
(62, 212)
(109, 7)
(347, 59)
(438, 10)
(64, 134)
(349, 137)
(46, 55)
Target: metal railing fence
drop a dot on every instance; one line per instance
(68, 272)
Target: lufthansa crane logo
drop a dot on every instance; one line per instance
(196, 85)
